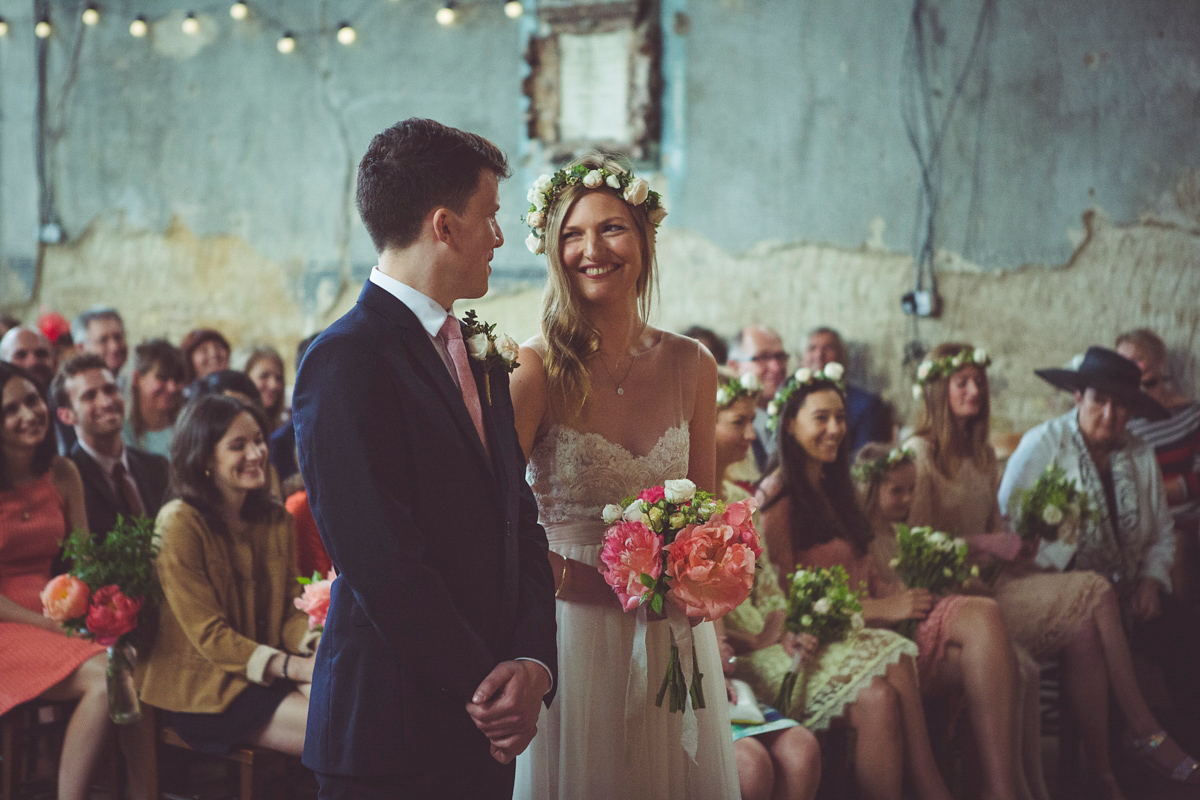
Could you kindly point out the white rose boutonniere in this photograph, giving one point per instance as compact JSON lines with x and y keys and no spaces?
{"x":493,"y":350}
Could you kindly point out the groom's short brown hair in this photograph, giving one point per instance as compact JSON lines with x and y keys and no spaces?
{"x":414,"y":167}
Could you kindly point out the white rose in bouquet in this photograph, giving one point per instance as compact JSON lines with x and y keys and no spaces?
{"x":634,"y":512}
{"x":834,"y":371}
{"x":821,"y":606}
{"x":611,"y":513}
{"x":679,"y":491}
{"x":593,"y":179}
{"x":1052,"y":515}
{"x":479,"y":346}
{"x":636,"y":191}
{"x":856,"y":621}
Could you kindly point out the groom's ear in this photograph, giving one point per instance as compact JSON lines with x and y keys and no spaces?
{"x":441,"y":221}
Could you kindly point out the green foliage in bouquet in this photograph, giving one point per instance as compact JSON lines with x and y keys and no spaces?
{"x":1054,"y":506}
{"x":821,"y":603}
{"x":124,"y":557}
{"x":931,"y":560}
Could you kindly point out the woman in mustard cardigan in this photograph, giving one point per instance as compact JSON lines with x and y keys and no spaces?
{"x":231,"y":664}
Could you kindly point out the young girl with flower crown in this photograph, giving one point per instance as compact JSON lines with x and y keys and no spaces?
{"x":810,"y":517}
{"x":1069,"y":615}
{"x":962,"y":639}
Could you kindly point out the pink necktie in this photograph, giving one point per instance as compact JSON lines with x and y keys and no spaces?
{"x":451,"y":336}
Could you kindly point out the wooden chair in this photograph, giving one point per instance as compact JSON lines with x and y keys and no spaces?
{"x":260,"y":772}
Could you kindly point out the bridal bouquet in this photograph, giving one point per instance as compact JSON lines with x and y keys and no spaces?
{"x":821,"y":604}
{"x":1052,"y":512}
{"x":930,"y":560}
{"x":677,"y":549}
{"x":110,"y":585}
{"x":314,"y":600}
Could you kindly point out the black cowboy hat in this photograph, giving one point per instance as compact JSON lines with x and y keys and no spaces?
{"x":1111,"y":373}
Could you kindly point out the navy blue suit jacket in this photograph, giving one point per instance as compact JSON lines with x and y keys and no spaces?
{"x":442,"y":566}
{"x":867,"y":419}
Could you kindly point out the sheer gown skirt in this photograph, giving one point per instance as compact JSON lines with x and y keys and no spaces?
{"x":587,"y":748}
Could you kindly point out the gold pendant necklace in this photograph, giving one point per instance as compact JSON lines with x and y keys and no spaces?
{"x":611,"y":377}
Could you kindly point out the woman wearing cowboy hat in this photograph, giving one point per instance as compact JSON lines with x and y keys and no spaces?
{"x":1128,"y":540}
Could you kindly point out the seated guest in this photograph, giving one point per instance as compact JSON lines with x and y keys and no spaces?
{"x":204,"y":350}
{"x":715,"y":344}
{"x":867,"y":416}
{"x":757,"y":350}
{"x":231,"y":663}
{"x":117,"y":480}
{"x":155,"y":396}
{"x":283,"y":441}
{"x":229,"y":382}
{"x":264,"y":366}
{"x":41,"y":499}
{"x":1131,"y":537}
{"x":1176,"y":440}
{"x":29,"y":349}
{"x":101,"y":330}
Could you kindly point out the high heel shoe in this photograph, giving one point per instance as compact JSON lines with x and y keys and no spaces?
{"x":1145,"y":749}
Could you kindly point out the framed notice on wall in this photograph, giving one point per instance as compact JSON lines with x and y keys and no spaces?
{"x":595,"y":79}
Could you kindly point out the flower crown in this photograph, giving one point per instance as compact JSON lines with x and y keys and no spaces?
{"x":547,"y":188}
{"x":732,"y":390}
{"x":804,"y":376}
{"x":869,"y":471}
{"x":931,"y":370}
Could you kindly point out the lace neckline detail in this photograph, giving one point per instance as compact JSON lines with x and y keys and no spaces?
{"x":599,"y":438}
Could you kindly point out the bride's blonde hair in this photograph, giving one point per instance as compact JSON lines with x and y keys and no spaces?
{"x":571,"y":339}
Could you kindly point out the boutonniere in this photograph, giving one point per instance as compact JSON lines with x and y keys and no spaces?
{"x":494,"y":350}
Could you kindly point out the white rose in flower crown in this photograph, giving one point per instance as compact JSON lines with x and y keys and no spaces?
{"x":636,"y":191}
{"x":611,"y":513}
{"x":593,"y":179}
{"x":535,"y":219}
{"x":803,"y":375}
{"x":479,"y":346}
{"x":658,"y":215}
{"x":535,"y":244}
{"x":543,"y":183}
{"x":750,"y":382}
{"x":916,"y":391}
{"x":679,"y":491}
{"x":507,"y":347}
{"x":821,"y":606}
{"x":613,"y":182}
{"x":1052,"y":515}
{"x":723,"y":397}
{"x":634,"y":513}
{"x":980,"y":355}
{"x":834,"y":371}
{"x":924,"y":369}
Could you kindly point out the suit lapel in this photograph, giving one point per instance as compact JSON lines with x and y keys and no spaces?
{"x":94,"y":476}
{"x":415,"y":340}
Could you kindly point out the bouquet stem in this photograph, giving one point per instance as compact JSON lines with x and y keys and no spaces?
{"x":674,"y":686}
{"x":783,"y":702}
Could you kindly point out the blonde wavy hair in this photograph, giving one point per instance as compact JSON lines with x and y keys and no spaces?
{"x":936,"y":425}
{"x":571,"y":338}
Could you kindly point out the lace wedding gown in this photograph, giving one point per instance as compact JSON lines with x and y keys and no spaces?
{"x":589,"y":745}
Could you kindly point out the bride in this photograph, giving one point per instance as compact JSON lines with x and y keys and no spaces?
{"x":606,"y":406}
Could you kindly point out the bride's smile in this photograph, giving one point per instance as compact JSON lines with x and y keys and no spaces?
{"x":601,"y":245}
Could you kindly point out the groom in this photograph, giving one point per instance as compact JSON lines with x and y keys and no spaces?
{"x":439,"y":645}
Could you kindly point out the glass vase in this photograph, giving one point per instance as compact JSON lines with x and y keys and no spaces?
{"x":124,"y":708}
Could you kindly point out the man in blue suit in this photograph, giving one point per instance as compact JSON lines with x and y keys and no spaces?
{"x":439,"y":645}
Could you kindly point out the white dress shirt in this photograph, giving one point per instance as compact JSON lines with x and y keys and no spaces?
{"x":106,"y":464}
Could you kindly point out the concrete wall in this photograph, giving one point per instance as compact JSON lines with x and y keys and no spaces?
{"x":207,"y":179}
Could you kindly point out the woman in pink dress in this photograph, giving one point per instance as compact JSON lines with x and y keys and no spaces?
{"x":41,"y":495}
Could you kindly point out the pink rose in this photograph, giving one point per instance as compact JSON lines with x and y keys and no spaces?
{"x":630,"y":551}
{"x":652,"y":495}
{"x":112,"y":614}
{"x":65,"y":597}
{"x":314,"y":601}
{"x":740,"y":516}
{"x":710,"y":570}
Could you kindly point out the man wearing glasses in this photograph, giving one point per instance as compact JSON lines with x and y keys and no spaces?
{"x":757,"y":350}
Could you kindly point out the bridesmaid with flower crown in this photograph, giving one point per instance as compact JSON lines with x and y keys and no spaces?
{"x":606,"y":406}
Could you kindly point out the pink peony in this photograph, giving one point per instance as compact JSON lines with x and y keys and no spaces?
{"x":314,"y":601}
{"x":740,"y":516}
{"x":112,"y":614}
{"x":711,"y":571}
{"x":652,"y":495}
{"x":630,"y":551}
{"x":65,"y":597}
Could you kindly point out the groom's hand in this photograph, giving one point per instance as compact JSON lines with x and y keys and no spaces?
{"x":505,"y":707}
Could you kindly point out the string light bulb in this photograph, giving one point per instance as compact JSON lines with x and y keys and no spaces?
{"x":239,"y":11}
{"x":43,"y":29}
{"x":286,"y":43}
{"x":513,"y":9}
{"x":3,"y":27}
{"x":446,"y":14}
{"x":191,"y":24}
{"x":138,"y":27}
{"x":91,"y":14}
{"x":346,"y":34}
